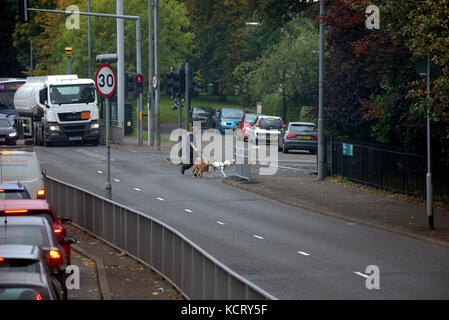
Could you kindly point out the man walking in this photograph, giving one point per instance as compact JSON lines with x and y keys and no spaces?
{"x":193,"y":150}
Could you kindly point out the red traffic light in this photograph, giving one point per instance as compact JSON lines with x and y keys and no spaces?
{"x":139,"y":79}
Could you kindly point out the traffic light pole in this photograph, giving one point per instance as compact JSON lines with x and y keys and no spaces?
{"x":150,"y":75}
{"x":187,"y":96}
{"x":156,"y":71}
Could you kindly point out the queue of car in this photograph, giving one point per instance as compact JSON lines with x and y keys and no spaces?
{"x":259,"y":128}
{"x":35,"y":249}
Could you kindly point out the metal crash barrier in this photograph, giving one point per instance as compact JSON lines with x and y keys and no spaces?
{"x":194,"y":272}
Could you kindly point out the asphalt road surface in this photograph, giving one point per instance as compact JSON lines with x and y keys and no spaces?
{"x":289,"y":252}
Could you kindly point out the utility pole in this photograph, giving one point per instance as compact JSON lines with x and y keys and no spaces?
{"x":156,"y":69}
{"x":321,"y":141}
{"x":150,"y":76}
{"x":31,"y":58}
{"x":89,"y":50}
{"x":429,"y":187}
{"x":188,"y":77}
{"x":120,"y":70}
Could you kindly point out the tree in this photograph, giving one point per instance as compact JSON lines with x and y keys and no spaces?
{"x":9,"y":66}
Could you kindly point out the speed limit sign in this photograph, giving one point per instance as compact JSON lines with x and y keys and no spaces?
{"x":106,"y":80}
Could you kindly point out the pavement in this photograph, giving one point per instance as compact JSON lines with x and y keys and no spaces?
{"x":354,"y":203}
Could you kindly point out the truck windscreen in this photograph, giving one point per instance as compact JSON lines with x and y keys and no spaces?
{"x":68,"y":94}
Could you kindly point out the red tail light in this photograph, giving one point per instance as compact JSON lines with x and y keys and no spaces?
{"x":290,"y":135}
{"x":41,"y":194}
{"x":38,"y":296}
{"x":315,"y":137}
{"x":16,"y":211}
{"x":55,"y":258}
{"x":1,"y":259}
{"x":58,"y":229}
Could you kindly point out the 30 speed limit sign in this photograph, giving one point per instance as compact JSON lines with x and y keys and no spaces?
{"x":106,"y":80}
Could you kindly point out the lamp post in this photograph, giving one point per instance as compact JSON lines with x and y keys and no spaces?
{"x":321,"y":158}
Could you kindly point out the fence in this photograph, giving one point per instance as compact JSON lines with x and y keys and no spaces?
{"x":392,"y":168}
{"x":241,"y":162}
{"x":190,"y":269}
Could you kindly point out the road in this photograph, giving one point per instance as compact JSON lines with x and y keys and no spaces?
{"x":289,"y":252}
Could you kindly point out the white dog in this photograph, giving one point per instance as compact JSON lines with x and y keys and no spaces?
{"x":220,"y":165}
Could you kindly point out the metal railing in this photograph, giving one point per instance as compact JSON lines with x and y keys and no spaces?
{"x":194,"y":272}
{"x":241,"y":161}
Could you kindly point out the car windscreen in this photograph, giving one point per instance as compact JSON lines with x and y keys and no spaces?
{"x":250,"y":118}
{"x":202,"y":112}
{"x":232,"y":113}
{"x":14,"y":195}
{"x":270,"y":123}
{"x":302,"y":128}
{"x":19,"y":265}
{"x":23,"y":293}
{"x":4,"y":123}
{"x":23,"y":234}
{"x":80,"y":93}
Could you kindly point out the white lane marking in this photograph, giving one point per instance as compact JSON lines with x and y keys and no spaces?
{"x":133,"y":151}
{"x":188,"y":210}
{"x":116,"y":180}
{"x":161,"y":199}
{"x":258,"y":237}
{"x":222,"y":223}
{"x":361,"y":274}
{"x":99,"y":171}
{"x":304,"y":253}
{"x":351,"y":223}
{"x":137,"y":189}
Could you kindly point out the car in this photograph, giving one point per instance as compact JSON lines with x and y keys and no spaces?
{"x":266,"y":128}
{"x":25,"y":274}
{"x":8,"y":134}
{"x":299,"y":136}
{"x":245,"y":126}
{"x":228,"y":119}
{"x":10,"y":191}
{"x":20,"y":164}
{"x":39,"y":208}
{"x":204,"y":115}
{"x":36,"y":230}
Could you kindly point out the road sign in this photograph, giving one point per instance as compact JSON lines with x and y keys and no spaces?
{"x":155,"y":82}
{"x":106,"y":80}
{"x":348,"y":149}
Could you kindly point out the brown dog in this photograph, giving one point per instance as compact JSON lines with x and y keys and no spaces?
{"x":200,"y":167}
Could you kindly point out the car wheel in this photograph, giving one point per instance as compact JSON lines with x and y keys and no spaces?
{"x":284,"y":150}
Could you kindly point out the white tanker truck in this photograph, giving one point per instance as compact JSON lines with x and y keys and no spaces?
{"x":57,"y":109}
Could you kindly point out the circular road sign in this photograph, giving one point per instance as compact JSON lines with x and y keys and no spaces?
{"x":155,"y":82}
{"x":106,"y":80}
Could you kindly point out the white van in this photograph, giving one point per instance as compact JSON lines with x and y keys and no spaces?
{"x":22,"y":166}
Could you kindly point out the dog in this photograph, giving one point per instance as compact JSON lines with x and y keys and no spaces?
{"x":220,"y":165}
{"x":200,"y":167}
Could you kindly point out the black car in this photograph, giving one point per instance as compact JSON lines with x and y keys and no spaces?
{"x":299,"y":136}
{"x":8,"y":134}
{"x":25,"y":274}
{"x":204,"y":115}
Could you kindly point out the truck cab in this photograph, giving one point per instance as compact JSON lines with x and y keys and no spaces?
{"x":58,"y":109}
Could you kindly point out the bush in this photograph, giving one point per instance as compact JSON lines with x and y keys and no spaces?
{"x":272,"y":105}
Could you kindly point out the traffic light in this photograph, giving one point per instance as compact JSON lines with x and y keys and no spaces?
{"x":23,"y":11}
{"x":193,"y":89}
{"x":139,"y":83}
{"x":131,"y":93}
{"x":179,"y":80}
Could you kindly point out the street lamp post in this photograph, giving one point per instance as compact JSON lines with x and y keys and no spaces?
{"x":321,"y":157}
{"x":429,"y":187}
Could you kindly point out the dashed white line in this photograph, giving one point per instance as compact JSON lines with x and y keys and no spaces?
{"x":161,"y":199}
{"x":361,"y":274}
{"x":222,"y":223}
{"x":137,"y":189}
{"x":116,"y":180}
{"x":188,"y":210}
{"x":304,"y":253}
{"x":99,"y":171}
{"x":258,"y":237}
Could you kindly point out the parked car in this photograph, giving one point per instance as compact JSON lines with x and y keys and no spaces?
{"x":267,"y":128}
{"x":299,"y":136}
{"x":228,"y":119}
{"x":245,"y":126}
{"x":204,"y":115}
{"x":25,"y":274}
{"x":36,"y":230}
{"x":39,"y":208}
{"x":11,"y":191}
{"x":8,"y":134}
{"x":20,"y":164}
